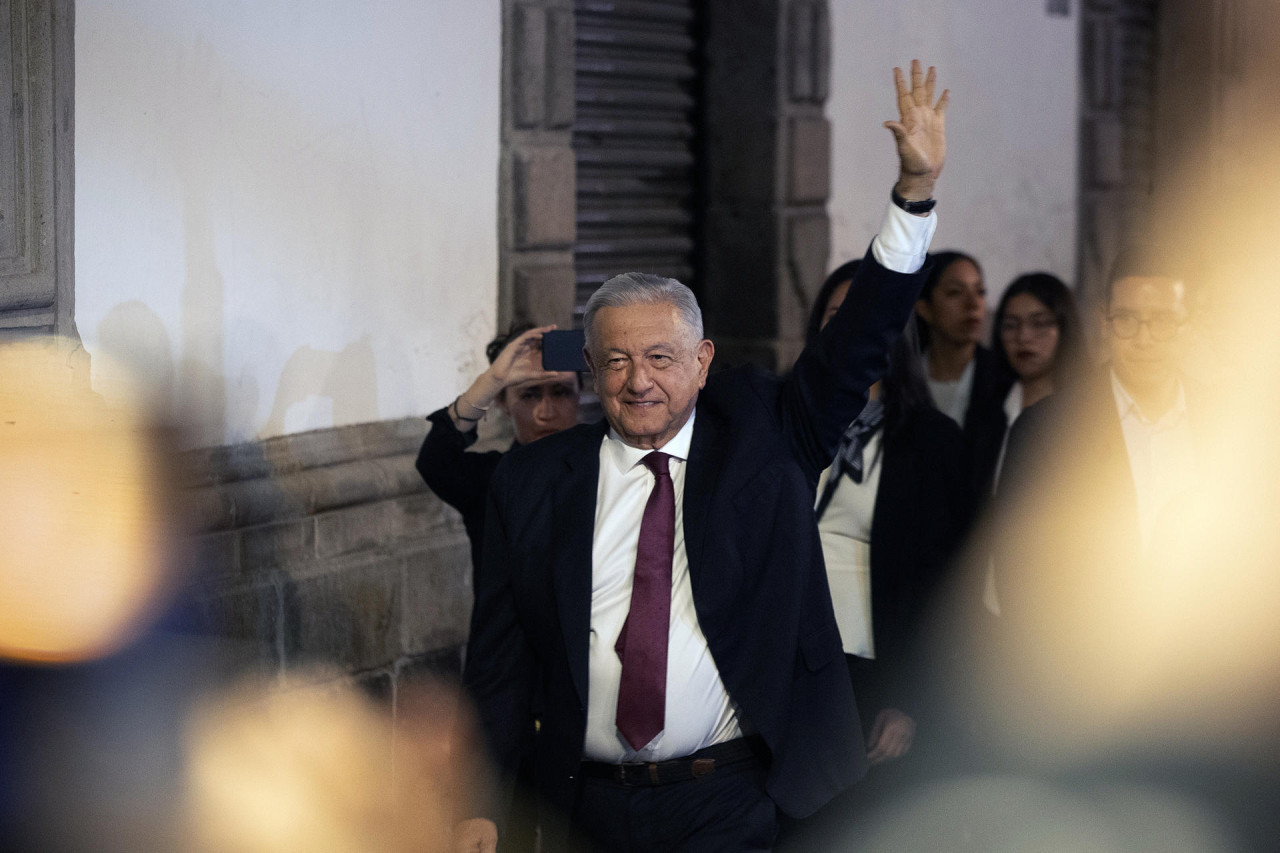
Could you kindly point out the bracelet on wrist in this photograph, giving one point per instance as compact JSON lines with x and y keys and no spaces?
{"x":457,"y":415}
{"x":483,"y":410}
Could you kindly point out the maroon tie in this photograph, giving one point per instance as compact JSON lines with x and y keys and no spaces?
{"x":642,"y":644}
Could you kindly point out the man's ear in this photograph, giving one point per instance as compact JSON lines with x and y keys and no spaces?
{"x":706,"y":352}
{"x":1104,"y":335}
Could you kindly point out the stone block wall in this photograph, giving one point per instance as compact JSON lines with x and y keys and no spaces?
{"x":537,"y":187}
{"x":327,"y":548}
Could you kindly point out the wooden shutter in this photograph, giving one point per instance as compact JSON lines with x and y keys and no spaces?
{"x":634,"y":140}
{"x":36,"y":171}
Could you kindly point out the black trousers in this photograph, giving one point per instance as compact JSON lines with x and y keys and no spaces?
{"x":727,"y":810}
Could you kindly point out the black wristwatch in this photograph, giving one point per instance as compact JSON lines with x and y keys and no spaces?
{"x":919,"y":207}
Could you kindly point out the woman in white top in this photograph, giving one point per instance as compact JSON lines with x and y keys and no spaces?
{"x":891,"y":509}
{"x":964,"y":380}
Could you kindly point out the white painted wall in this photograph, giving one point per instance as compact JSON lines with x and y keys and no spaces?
{"x":286,"y":210}
{"x":1008,"y":194}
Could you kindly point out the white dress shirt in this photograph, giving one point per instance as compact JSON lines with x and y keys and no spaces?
{"x":699,"y":711}
{"x":951,"y":398}
{"x":1162,"y":455}
{"x":1012,"y":409}
{"x":845,"y":529}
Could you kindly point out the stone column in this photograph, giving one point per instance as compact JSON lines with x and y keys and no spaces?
{"x":1118,"y":59}
{"x":537,"y":191}
{"x":768,"y":176}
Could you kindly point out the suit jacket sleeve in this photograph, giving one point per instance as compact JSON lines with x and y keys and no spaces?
{"x":828,"y":386}
{"x":499,"y":674}
{"x":458,"y":478}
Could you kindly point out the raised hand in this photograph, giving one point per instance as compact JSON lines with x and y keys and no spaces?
{"x":920,"y":132}
{"x":521,"y":360}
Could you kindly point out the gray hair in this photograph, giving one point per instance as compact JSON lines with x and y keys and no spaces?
{"x":639,"y":288}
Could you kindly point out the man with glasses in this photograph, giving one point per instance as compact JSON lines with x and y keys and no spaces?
{"x":1145,"y":318}
{"x":1125,"y":432}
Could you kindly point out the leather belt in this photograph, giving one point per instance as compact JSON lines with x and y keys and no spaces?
{"x":702,"y":763}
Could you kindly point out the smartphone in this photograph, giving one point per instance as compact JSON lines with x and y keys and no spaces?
{"x":562,"y":350}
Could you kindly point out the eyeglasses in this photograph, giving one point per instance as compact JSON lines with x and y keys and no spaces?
{"x":1163,"y":326}
{"x":1039,"y":324}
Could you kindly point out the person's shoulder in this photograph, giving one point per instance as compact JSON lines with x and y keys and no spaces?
{"x":989,"y":375}
{"x":551,"y":450}
{"x":929,"y":433}
{"x":931,"y":423}
{"x":739,"y":383}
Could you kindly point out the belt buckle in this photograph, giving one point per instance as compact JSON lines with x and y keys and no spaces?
{"x":700,"y":767}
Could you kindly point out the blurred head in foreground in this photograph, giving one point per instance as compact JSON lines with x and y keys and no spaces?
{"x":85,"y":510}
{"x":318,"y":767}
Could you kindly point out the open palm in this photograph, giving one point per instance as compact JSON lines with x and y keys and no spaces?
{"x":921,"y":128}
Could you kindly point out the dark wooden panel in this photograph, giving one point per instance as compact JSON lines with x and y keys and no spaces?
{"x":635,"y":139}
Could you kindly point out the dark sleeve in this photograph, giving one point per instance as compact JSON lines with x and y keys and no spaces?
{"x":499,"y":673}
{"x":940,"y":447}
{"x":827,"y":388}
{"x":985,"y":421}
{"x":1026,"y":441}
{"x":458,"y":478}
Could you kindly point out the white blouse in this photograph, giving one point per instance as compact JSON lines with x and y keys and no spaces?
{"x":845,"y":529}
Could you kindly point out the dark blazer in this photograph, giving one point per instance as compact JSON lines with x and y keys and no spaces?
{"x":1068,"y":447}
{"x":985,"y":421}
{"x":458,"y":478}
{"x":922,"y":508}
{"x":755,"y":562}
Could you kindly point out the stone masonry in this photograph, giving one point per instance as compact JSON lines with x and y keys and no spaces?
{"x":326,"y":548}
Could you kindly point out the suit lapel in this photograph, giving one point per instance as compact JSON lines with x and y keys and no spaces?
{"x":573,"y":515}
{"x":701,"y":479}
{"x":1115,"y":465}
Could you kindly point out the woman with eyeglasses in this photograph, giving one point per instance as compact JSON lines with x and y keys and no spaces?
{"x":1037,"y":339}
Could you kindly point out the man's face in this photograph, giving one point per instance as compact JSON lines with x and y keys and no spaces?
{"x":1144,"y":326}
{"x":648,"y":370}
{"x":538,"y":409}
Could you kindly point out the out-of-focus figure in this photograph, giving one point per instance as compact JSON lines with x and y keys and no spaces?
{"x":83,"y":497}
{"x":91,"y":697}
{"x":312,"y":764}
{"x":1128,"y":430}
{"x":1138,"y":601}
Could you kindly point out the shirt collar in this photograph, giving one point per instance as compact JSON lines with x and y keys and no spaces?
{"x":1128,"y":407}
{"x":625,"y":457}
{"x":1013,"y":403}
